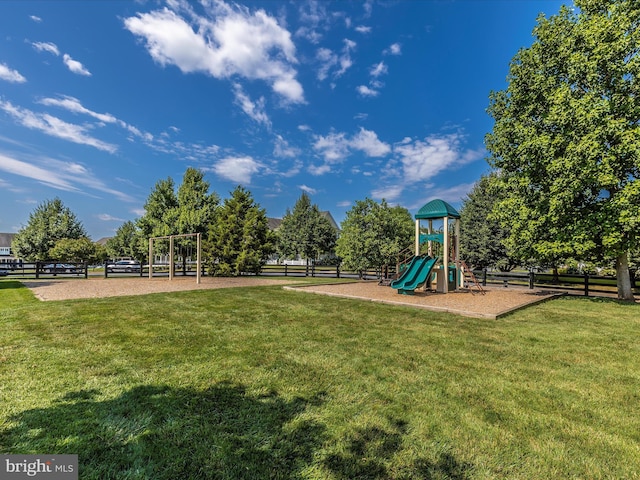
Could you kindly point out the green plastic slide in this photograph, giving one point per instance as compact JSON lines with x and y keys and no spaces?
{"x":415,"y":275}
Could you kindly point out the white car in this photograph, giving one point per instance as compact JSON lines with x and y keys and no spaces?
{"x":127,"y":266}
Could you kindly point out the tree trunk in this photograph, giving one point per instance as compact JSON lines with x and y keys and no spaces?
{"x":623,"y":278}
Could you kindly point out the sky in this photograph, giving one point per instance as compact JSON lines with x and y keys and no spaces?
{"x":344,"y":100}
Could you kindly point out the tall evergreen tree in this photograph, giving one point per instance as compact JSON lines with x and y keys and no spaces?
{"x":49,"y":222}
{"x":482,"y":239}
{"x":566,"y":137}
{"x":240,"y":240}
{"x":305,"y":232}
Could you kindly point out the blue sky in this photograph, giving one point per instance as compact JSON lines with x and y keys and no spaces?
{"x":344,"y":100}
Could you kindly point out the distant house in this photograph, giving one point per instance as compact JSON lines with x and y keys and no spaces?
{"x":6,"y":254}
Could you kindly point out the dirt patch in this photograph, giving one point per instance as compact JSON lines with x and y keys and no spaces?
{"x":47,"y":290}
{"x":494,"y":303}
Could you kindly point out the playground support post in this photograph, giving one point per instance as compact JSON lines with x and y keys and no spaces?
{"x":171,"y":253}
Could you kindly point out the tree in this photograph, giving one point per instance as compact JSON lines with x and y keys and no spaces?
{"x":160,"y":211}
{"x":127,"y":242}
{"x":240,"y":240}
{"x":196,"y":206}
{"x":76,"y":250}
{"x":566,"y":137}
{"x":49,"y":222}
{"x":305,"y":232}
{"x":481,"y":236}
{"x":373,"y":234}
{"x":191,"y":210}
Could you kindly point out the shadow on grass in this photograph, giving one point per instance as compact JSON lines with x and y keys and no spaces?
{"x":222,"y":432}
{"x":370,"y":450}
{"x":173,"y":433}
{"x":7,"y":284}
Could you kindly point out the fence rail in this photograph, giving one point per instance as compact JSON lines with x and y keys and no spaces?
{"x":585,"y":284}
{"x":576,"y":284}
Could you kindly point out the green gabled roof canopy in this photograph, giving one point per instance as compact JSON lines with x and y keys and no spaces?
{"x":436,"y":209}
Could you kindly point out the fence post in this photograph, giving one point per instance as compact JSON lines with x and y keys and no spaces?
{"x":106,"y":263}
{"x":86,"y":269}
{"x":586,"y":284}
{"x":313,"y":269}
{"x":37,"y":270}
{"x":531,"y":279}
{"x":484,"y":277}
{"x":285,"y":269}
{"x":337,"y":271}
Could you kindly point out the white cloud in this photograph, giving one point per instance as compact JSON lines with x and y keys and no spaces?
{"x":35,"y":18}
{"x":334,"y":64}
{"x":255,"y":110}
{"x":73,"y":105}
{"x":363,"y":29}
{"x":10,"y":75}
{"x":367,"y":141}
{"x":45,"y":176}
{"x":366,"y":91}
{"x":378,"y":69}
{"x":388,"y":193}
{"x":47,"y":47}
{"x":424,"y":159}
{"x":228,"y":41}
{"x":105,"y":217}
{"x":334,"y":147}
{"x":75,"y":66}
{"x":237,"y":169}
{"x":309,"y":190}
{"x":66,"y":176}
{"x":394,"y":49}
{"x":283,"y":149}
{"x":55,"y":127}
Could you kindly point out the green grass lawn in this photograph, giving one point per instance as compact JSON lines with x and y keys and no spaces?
{"x":260,"y":383}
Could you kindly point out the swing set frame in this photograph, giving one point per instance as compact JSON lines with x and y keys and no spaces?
{"x":171,"y":253}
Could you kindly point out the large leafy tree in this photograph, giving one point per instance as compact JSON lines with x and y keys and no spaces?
{"x":481,"y":236}
{"x":196,"y":206}
{"x":160,"y":211}
{"x":77,"y":250}
{"x":240,"y":240}
{"x":127,"y":242}
{"x":566,"y":137}
{"x":305,"y":231}
{"x":48,"y":223}
{"x":373,"y":234}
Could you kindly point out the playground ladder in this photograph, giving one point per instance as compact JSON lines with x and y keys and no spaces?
{"x":470,"y":279}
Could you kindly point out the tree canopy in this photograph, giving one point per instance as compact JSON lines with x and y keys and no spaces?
{"x":566,"y":137}
{"x":50,"y":222}
{"x":373,"y":234}
{"x":482,"y":239}
{"x":240,"y":240}
{"x":305,"y":231}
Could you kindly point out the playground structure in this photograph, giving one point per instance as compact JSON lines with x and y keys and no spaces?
{"x":171,"y":239}
{"x":449,"y":274}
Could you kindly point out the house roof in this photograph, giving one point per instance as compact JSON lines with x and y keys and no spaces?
{"x":6,"y":239}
